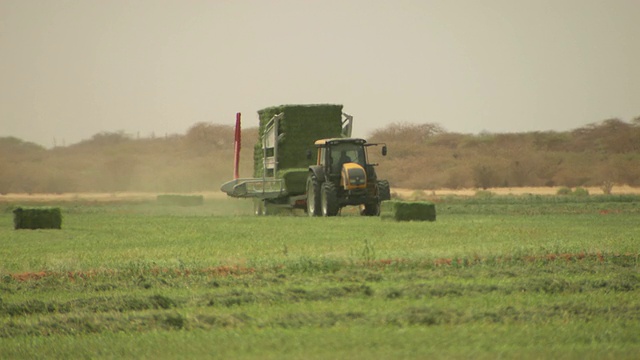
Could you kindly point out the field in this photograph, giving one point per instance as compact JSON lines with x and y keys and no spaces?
{"x":511,"y":276}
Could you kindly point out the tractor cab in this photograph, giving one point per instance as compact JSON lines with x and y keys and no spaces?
{"x":336,"y":154}
{"x":346,"y":160}
{"x":343,"y":176}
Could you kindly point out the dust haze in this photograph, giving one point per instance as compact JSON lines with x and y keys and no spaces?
{"x":154,"y":68}
{"x":424,"y":156}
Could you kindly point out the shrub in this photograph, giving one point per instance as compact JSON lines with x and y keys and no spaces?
{"x":564,"y":191}
{"x":484,"y":194}
{"x":485,"y":177}
{"x":580,"y":191}
{"x":606,"y":187}
{"x":418,"y":195}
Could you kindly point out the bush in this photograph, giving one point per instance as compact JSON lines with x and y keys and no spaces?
{"x":418,"y":195}
{"x":580,"y":191}
{"x":485,"y":177}
{"x":484,"y":194}
{"x":606,"y":187}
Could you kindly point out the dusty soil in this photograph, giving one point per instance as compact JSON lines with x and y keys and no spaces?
{"x":617,"y":190}
{"x":102,"y":197}
{"x":403,"y":193}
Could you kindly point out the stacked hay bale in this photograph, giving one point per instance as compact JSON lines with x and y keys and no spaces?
{"x":37,"y":218}
{"x":295,"y":180}
{"x":302,"y":125}
{"x":408,"y":211}
{"x":181,"y":200}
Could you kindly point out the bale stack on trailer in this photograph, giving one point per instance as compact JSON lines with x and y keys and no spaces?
{"x":304,"y":124}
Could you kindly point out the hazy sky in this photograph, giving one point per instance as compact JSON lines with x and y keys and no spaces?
{"x":72,"y":68}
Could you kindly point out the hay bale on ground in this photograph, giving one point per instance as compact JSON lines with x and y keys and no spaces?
{"x":181,"y":200}
{"x":37,"y":218}
{"x":408,"y":211}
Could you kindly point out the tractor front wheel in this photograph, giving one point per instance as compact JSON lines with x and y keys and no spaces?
{"x":384,"y":191}
{"x":329,"y":199}
{"x":313,"y":196}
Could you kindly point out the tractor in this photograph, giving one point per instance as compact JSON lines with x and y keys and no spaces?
{"x":342,"y":176}
{"x":339,"y":176}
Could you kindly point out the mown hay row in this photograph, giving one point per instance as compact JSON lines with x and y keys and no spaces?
{"x":302,"y":125}
{"x":37,"y":218}
{"x":181,"y":200}
{"x":408,"y":211}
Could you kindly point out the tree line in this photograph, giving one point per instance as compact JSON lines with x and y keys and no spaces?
{"x":421,"y":156}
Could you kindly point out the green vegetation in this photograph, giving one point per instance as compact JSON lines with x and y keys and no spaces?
{"x":564,"y":191}
{"x":495,"y":276}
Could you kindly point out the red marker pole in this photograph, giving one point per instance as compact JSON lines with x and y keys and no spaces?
{"x":236,"y":149}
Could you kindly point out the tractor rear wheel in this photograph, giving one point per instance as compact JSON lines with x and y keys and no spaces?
{"x":384,"y":191}
{"x":372,"y":209}
{"x":329,"y":199}
{"x":258,"y":207}
{"x":270,"y":208}
{"x":313,"y":196}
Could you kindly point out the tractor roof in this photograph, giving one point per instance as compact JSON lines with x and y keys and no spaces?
{"x":333,"y":141}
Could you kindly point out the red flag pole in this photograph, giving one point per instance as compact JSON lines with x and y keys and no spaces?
{"x":236,"y":149}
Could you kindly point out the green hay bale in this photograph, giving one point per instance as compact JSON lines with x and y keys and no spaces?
{"x":180,"y":200}
{"x":295,"y":180}
{"x":302,"y":126}
{"x":37,"y":218}
{"x":408,"y":211}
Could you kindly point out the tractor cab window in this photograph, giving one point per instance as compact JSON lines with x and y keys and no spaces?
{"x":346,"y":153}
{"x":322,"y":157}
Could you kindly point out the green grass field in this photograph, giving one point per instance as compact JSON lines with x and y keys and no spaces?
{"x":501,"y":276}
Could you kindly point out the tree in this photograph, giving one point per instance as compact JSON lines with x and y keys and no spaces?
{"x":405,"y":132}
